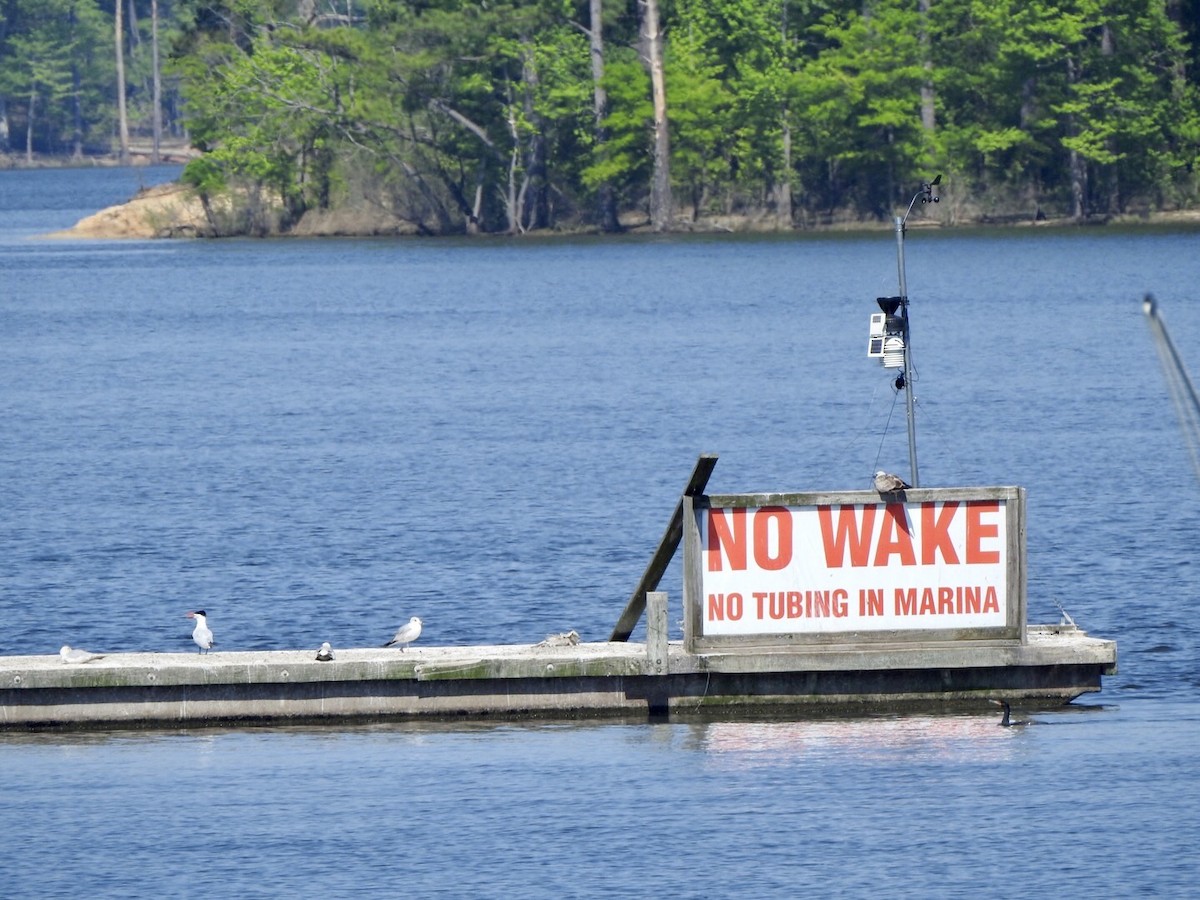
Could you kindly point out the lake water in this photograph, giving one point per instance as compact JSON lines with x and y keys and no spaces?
{"x":314,"y":440}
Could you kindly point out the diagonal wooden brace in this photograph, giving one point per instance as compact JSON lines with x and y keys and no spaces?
{"x":666,"y":549}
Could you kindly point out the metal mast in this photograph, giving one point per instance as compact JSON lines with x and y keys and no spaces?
{"x":925,"y":195}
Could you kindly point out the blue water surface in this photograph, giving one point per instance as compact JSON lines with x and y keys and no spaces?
{"x":314,"y":440}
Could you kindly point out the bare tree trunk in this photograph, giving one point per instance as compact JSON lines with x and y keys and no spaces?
{"x":1113,"y":171}
{"x":476,"y":210}
{"x":1028,"y":106}
{"x":535,"y":210}
{"x":660,"y":185}
{"x":605,"y":197}
{"x":928,"y":111}
{"x":76,"y":99}
{"x":135,"y":37}
{"x":513,"y":211}
{"x":122,"y":117}
{"x":1078,"y":165}
{"x":783,"y":184}
{"x":783,"y":181}
{"x":29,"y":126}
{"x":76,"y":114}
{"x":1078,"y":187}
{"x":156,"y":150}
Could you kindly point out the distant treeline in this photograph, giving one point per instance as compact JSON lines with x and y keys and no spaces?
{"x":513,"y":115}
{"x":78,"y":77}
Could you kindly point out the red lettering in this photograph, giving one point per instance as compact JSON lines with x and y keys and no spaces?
{"x":840,"y":606}
{"x":935,"y":533}
{"x":722,"y":606}
{"x":971,"y":599}
{"x":978,"y":531}
{"x":870,"y":602}
{"x":733,"y":606}
{"x":895,"y":537}
{"x":927,"y":606}
{"x":991,"y":603}
{"x":727,"y":536}
{"x":945,"y":601}
{"x":783,"y":532}
{"x":850,"y":533}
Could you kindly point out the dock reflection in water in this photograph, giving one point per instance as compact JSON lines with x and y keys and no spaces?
{"x":899,"y":739}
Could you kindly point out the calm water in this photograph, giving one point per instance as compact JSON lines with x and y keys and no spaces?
{"x":316,"y":440}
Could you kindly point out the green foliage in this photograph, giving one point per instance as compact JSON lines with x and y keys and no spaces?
{"x":461,"y":115}
{"x":205,"y":174}
{"x":624,"y":159}
{"x":53,"y":53}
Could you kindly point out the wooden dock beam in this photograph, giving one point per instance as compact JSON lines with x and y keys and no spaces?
{"x":129,"y":690}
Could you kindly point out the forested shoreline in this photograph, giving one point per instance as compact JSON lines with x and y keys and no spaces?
{"x":510,"y":116}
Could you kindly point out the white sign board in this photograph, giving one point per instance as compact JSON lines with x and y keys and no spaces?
{"x":921,"y":563}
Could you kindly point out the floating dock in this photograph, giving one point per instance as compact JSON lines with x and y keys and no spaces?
{"x":654,"y":679}
{"x":792,"y":602}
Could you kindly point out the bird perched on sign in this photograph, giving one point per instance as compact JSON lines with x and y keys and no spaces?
{"x":76,"y":655}
{"x":325,"y":654}
{"x":201,"y":634}
{"x":887,"y":483}
{"x":409,"y":632}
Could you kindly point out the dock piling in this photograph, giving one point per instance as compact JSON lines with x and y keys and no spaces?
{"x":656,"y":633}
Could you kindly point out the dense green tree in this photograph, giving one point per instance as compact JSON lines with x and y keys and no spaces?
{"x":52,"y":60}
{"x":1082,"y":103}
{"x":728,"y":68}
{"x":868,"y":77}
{"x":702,"y":112}
{"x":511,"y":115}
{"x":623,"y":162}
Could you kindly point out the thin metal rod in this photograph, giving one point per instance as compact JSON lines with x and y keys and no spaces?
{"x":1179,"y":382}
{"x":914,"y":476}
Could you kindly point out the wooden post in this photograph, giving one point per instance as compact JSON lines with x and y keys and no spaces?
{"x":656,"y":633}
{"x":666,"y":549}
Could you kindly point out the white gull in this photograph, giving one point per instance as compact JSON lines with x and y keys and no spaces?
{"x":408,"y":633}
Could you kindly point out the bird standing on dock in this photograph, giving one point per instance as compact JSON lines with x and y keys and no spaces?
{"x":77,"y":655}
{"x":201,"y":634}
{"x":325,"y":654}
{"x":887,"y":483}
{"x":1007,"y":721}
{"x":408,"y":633}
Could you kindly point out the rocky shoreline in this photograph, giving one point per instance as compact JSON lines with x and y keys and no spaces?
{"x":174,"y":210}
{"x":165,"y":210}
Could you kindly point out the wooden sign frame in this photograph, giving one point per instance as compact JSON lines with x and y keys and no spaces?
{"x":901,"y":507}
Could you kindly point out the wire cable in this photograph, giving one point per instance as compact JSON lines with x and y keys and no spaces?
{"x":886,"y":426}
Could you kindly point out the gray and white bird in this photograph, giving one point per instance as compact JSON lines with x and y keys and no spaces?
{"x":325,"y":654}
{"x":409,"y":632}
{"x":201,"y":634}
{"x":887,"y":483}
{"x":77,"y":655}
